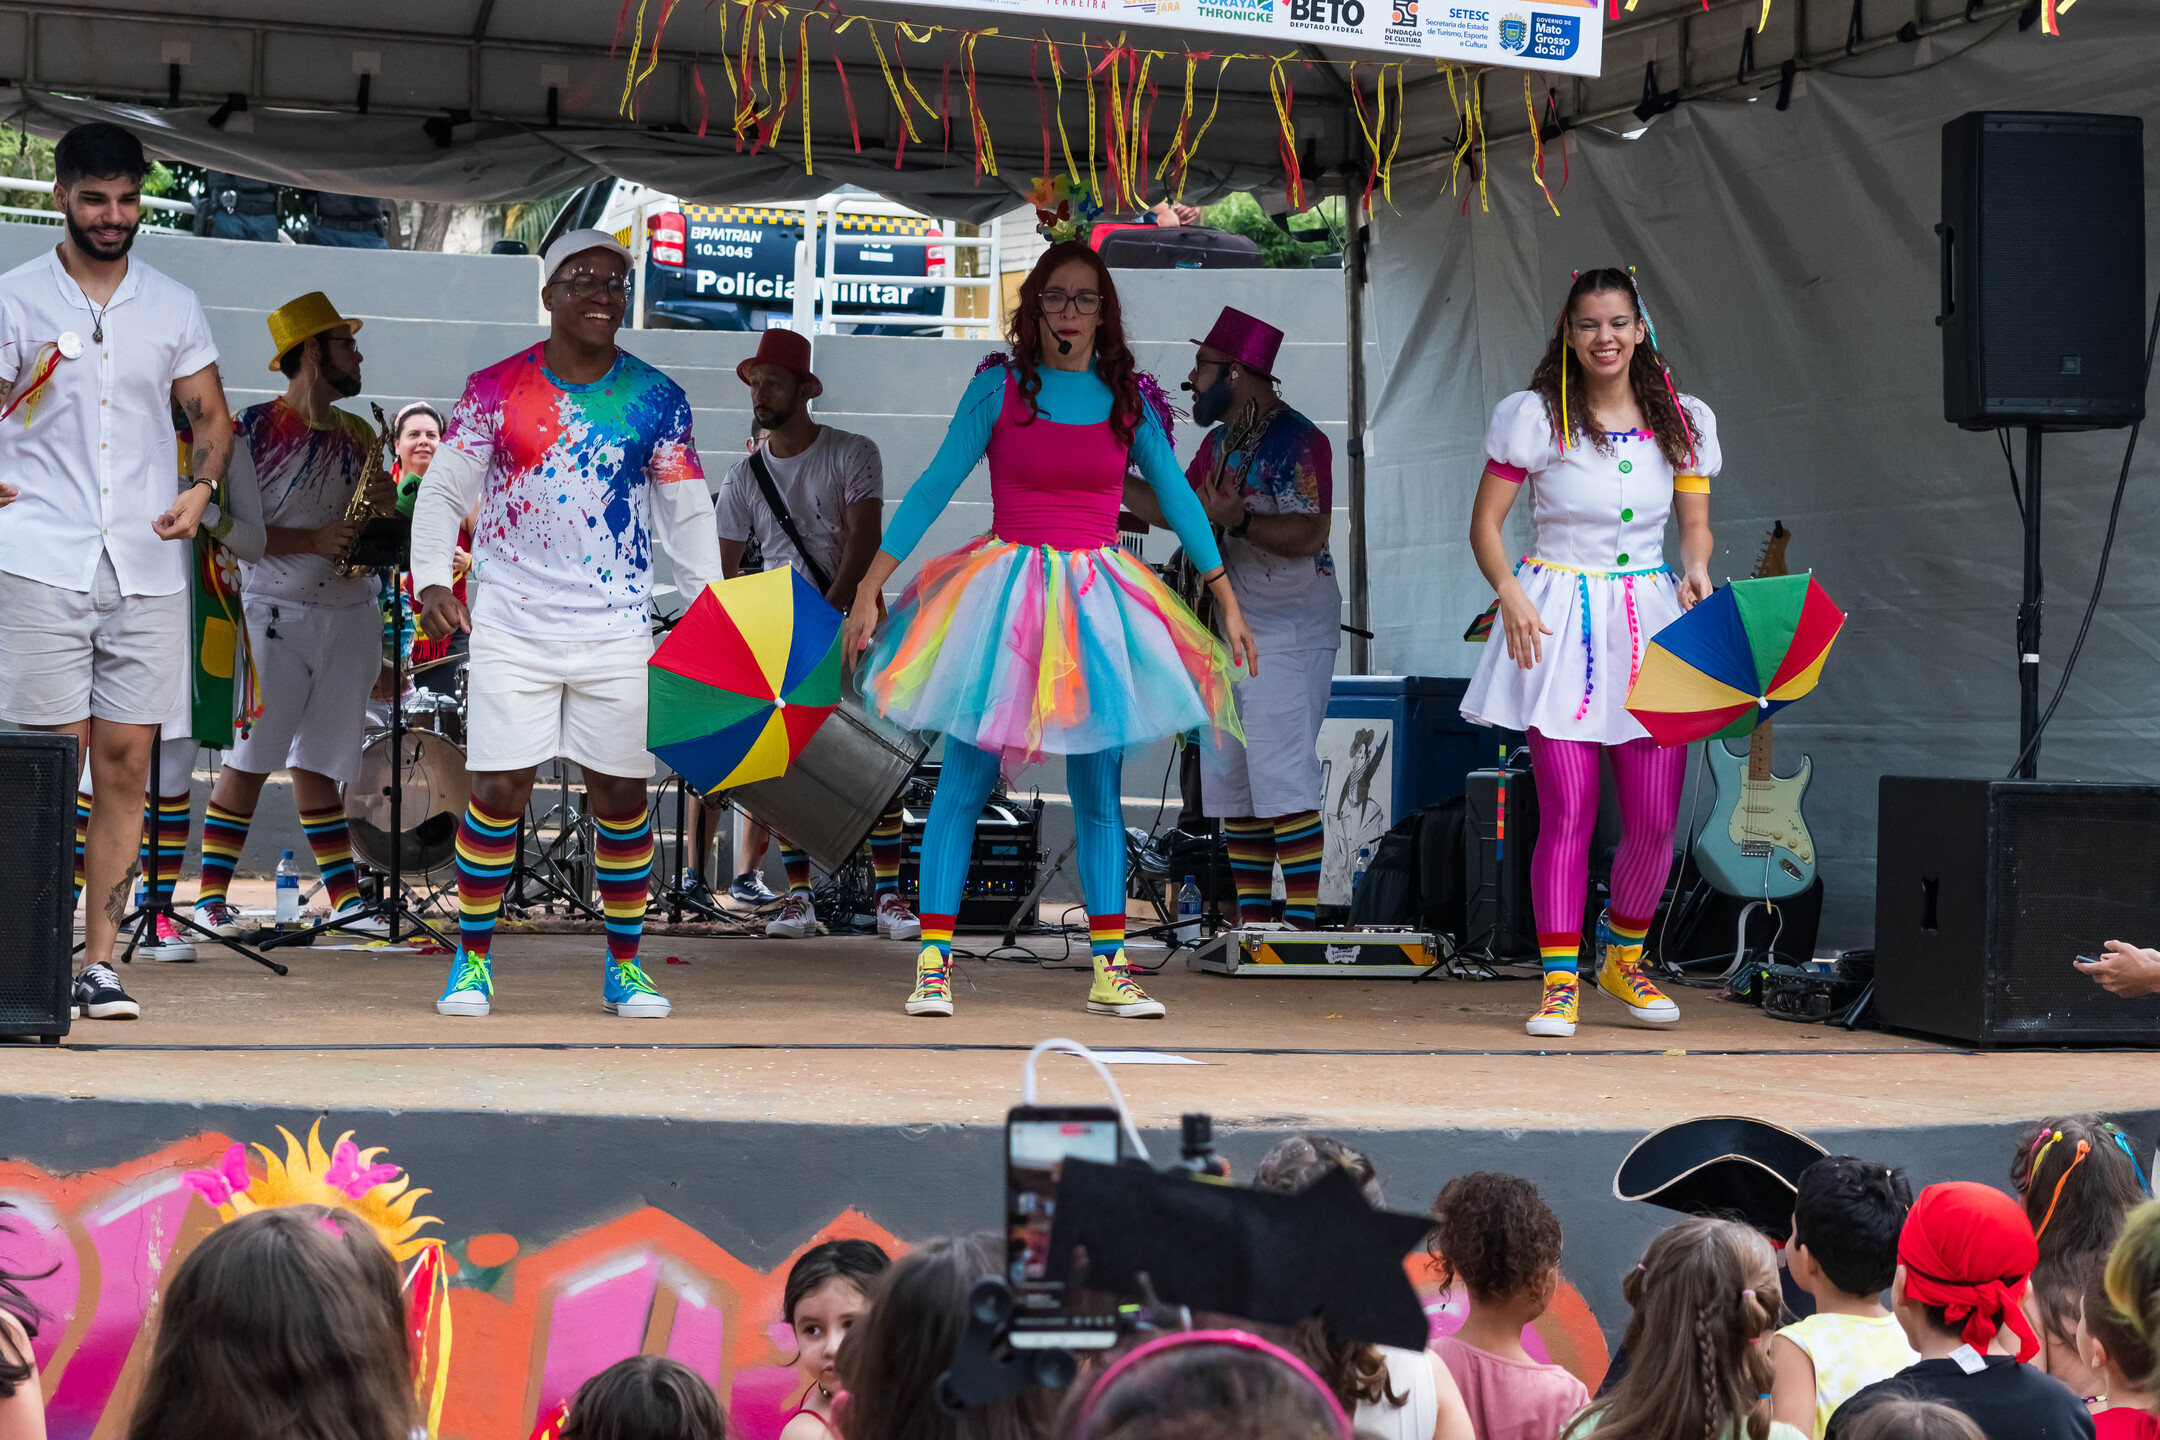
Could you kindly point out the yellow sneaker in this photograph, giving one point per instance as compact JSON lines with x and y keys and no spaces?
{"x":1114,"y":992}
{"x":933,"y":984}
{"x":1555,"y":1018}
{"x":1619,"y":975}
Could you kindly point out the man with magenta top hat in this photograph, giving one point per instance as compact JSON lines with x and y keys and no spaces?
{"x":1263,"y":476}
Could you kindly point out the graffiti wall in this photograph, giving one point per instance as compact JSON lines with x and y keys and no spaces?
{"x":532,"y":1315}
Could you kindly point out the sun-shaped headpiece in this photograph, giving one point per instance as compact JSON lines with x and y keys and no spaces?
{"x":345,"y":1177}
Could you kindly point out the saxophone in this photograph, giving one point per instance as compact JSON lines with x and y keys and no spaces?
{"x":359,"y":508}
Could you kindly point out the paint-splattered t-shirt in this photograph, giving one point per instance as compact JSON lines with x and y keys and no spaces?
{"x":305,"y":475}
{"x":563,"y":545}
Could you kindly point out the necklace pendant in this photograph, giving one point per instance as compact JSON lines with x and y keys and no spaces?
{"x":97,"y":333}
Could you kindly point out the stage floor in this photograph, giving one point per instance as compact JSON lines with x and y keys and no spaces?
{"x":812,"y":1032}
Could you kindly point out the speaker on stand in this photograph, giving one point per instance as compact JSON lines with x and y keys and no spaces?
{"x":2027,"y":196}
{"x":37,"y":924}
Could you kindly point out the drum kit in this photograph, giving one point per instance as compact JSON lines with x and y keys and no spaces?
{"x":429,"y":767}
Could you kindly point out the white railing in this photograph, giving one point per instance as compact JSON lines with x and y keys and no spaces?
{"x":45,"y":187}
{"x":820,"y":314}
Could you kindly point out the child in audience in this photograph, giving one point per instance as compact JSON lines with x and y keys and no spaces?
{"x":270,"y":1330}
{"x":1963,"y":1258}
{"x":1496,"y":1235}
{"x":1705,"y":1297}
{"x":1391,"y":1394}
{"x":1204,"y":1385}
{"x":22,"y":1406}
{"x":828,"y":1293}
{"x":1913,"y":1420}
{"x":2112,"y":1348}
{"x":892,"y":1360}
{"x":2078,"y":1179}
{"x":1843,"y":1251}
{"x":646,"y":1397}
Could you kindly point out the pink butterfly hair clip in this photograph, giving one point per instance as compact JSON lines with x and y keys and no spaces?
{"x":347,"y":1174}
{"x":230,"y":1178}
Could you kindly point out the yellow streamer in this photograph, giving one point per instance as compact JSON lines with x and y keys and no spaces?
{"x":637,"y":43}
{"x":1462,"y":125}
{"x":899,"y":104}
{"x":1477,"y":115}
{"x":802,"y":69}
{"x":1184,"y":118}
{"x":1087,"y":76}
{"x":1194,"y":148}
{"x":980,"y":125}
{"x":900,"y":28}
{"x":1402,"y":113}
{"x":1278,"y":83}
{"x":1057,"y":72}
{"x":1537,"y":142}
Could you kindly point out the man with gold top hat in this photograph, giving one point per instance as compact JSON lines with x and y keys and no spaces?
{"x":1263,"y":474}
{"x":317,"y":636}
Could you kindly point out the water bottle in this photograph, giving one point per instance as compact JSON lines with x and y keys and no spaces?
{"x":288,"y":890}
{"x":1188,"y":913}
{"x":1357,"y":876}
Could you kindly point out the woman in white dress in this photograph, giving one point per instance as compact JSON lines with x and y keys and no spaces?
{"x":1610,"y":451}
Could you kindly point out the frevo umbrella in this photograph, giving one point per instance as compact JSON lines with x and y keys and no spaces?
{"x":744,"y":679}
{"x":1736,"y":659}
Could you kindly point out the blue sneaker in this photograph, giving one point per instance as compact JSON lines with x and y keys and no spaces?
{"x":472,"y":983}
{"x":628,"y":993}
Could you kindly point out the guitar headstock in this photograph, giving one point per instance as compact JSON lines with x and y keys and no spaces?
{"x":1772,"y":559}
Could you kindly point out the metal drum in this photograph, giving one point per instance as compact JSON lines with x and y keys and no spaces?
{"x":832,"y":795}
{"x":432,"y":773}
{"x":443,"y":715}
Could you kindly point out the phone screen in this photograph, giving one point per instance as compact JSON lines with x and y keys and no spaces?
{"x":1038,"y":1141}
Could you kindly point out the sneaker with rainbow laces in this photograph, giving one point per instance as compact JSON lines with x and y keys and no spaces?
{"x":933,"y":984}
{"x":1115,"y":992}
{"x":1619,"y":975}
{"x":1555,"y":1017}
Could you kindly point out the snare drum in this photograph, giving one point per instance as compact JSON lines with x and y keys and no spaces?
{"x":831,"y":797}
{"x":431,"y":771}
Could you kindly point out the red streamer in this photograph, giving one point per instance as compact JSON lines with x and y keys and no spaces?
{"x":1042,"y":105}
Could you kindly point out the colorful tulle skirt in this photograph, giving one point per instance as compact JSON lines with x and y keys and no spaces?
{"x":1026,"y":651}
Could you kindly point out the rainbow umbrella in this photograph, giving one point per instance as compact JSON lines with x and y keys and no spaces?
{"x":1733,"y":661}
{"x":744,"y":679}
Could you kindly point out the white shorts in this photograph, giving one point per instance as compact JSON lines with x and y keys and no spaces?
{"x":68,"y":655}
{"x":315,"y":666}
{"x":1277,"y":770}
{"x":529,"y":701}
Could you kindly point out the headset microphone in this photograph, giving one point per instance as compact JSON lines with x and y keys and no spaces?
{"x":1064,"y":346}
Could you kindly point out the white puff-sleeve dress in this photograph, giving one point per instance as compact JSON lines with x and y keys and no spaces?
{"x":1596,"y":571}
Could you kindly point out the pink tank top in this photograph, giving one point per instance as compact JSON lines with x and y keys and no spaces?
{"x":1053,"y":484}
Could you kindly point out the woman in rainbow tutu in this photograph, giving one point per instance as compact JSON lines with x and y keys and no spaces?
{"x":1043,"y":636}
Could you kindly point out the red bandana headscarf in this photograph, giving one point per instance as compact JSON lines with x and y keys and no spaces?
{"x":1969,"y":1249}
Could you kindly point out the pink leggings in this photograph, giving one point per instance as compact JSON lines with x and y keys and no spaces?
{"x":1566,"y":775}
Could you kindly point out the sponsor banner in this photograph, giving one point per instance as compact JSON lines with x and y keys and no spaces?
{"x":1564,"y":37}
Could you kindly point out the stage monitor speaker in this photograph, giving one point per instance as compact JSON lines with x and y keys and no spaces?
{"x":37,"y":920}
{"x":2043,"y":270}
{"x":1986,"y":890}
{"x":1497,"y":914}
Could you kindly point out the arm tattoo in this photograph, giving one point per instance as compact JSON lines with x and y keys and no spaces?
{"x":116,"y":900}
{"x":194,"y":409}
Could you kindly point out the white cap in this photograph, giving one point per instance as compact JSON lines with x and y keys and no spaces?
{"x":577,"y":242}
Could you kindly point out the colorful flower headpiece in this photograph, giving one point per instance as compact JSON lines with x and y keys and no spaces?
{"x":1064,"y":208}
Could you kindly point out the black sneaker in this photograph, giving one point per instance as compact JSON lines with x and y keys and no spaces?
{"x":98,"y":995}
{"x":749,"y":888}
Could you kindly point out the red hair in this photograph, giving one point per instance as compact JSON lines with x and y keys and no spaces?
{"x":1113,"y":356}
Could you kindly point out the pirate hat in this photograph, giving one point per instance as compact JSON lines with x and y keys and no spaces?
{"x":1729,"y":1165}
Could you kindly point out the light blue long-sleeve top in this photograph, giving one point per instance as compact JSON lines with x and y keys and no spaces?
{"x":1068,"y":397}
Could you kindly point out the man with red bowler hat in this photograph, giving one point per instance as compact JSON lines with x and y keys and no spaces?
{"x":1263,"y":475}
{"x":812,"y":496}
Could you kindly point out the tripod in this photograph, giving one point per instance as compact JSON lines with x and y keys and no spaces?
{"x":390,"y":903}
{"x":157,"y":903}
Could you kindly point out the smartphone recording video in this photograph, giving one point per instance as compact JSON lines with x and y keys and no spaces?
{"x":1039,"y":1139}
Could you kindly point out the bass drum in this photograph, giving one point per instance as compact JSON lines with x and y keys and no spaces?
{"x":431,"y":771}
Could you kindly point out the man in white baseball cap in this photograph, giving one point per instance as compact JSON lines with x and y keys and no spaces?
{"x":580,"y":459}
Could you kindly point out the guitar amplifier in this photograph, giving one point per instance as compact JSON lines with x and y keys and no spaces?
{"x":1001,"y":869}
{"x":1986,"y":890}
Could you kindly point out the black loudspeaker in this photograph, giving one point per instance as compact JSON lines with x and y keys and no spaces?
{"x":37,"y":857}
{"x":2043,"y":270}
{"x":1986,"y":890}
{"x":1497,"y":917}
{"x":1001,"y":868}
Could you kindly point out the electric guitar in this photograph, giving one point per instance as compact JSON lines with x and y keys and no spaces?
{"x":1757,"y":845}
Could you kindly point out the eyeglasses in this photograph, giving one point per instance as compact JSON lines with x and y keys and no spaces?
{"x":1086,"y":302}
{"x":584,"y":284}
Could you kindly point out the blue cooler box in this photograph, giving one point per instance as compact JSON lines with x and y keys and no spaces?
{"x":1391,"y":745}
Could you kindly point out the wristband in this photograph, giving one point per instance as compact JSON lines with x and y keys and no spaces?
{"x":1238,"y":533}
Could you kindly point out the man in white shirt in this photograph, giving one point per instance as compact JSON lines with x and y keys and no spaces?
{"x":95,"y":348}
{"x":830,"y":483}
{"x":580,"y":458}
{"x":316,"y":636}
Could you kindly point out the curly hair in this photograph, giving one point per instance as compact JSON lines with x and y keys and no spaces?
{"x":1648,"y":378}
{"x":1114,"y":363}
{"x":1495,"y":1234}
{"x":16,"y":1302}
{"x":1353,"y":1370}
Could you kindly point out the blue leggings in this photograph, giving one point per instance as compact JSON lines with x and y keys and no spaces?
{"x":965,"y":782}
